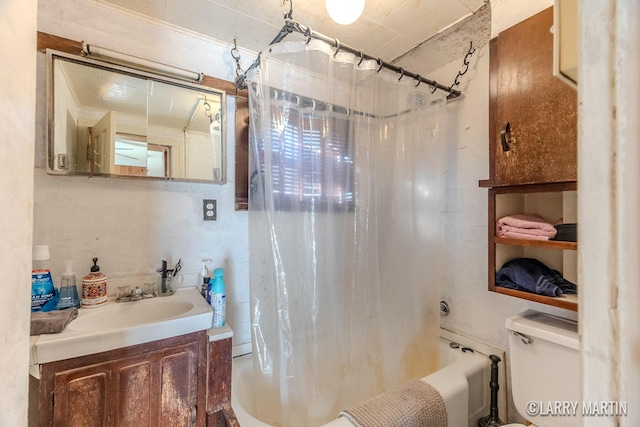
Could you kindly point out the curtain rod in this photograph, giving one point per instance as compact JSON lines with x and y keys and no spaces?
{"x":291,"y":26}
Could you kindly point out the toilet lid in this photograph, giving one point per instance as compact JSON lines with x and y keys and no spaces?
{"x":514,"y":425}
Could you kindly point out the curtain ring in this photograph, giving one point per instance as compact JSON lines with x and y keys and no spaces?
{"x":380,"y":64}
{"x":313,"y":104}
{"x":435,"y":87}
{"x":309,"y":35}
{"x":401,"y":71}
{"x":361,"y":59}
{"x":419,"y":79}
{"x":297,"y":101}
{"x":337,"y":47}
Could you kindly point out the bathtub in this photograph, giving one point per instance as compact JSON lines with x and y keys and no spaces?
{"x":463,"y":382}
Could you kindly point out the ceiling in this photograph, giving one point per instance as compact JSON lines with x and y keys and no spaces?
{"x":387,"y":29}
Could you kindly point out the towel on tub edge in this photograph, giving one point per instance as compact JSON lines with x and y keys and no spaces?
{"x":412,"y":404}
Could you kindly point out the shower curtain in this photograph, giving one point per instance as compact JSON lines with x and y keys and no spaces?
{"x":346,"y":201}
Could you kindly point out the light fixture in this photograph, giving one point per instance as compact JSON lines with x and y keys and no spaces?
{"x":345,"y":12}
{"x":118,"y":58}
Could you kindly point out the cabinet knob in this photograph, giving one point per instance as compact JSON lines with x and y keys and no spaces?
{"x":505,"y":136}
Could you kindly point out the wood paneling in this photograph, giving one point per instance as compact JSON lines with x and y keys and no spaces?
{"x":219,"y":378}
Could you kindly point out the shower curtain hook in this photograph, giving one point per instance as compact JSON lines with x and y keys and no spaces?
{"x":337,"y":47}
{"x":380,"y":63}
{"x":313,"y":104}
{"x":419,"y":79}
{"x":297,"y":101}
{"x":435,"y":87}
{"x":309,"y":35}
{"x":361,"y":58}
{"x":401,"y":71}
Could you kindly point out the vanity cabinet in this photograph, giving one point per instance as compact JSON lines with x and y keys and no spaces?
{"x":160,"y":383}
{"x":532,"y":151}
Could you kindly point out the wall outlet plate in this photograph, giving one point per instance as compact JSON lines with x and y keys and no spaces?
{"x":209,"y":211}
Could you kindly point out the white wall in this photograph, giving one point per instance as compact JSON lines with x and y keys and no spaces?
{"x":475,"y":312}
{"x":131,"y":226}
{"x":17,"y":121}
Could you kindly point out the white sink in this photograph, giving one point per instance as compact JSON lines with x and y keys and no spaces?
{"x":117,"y":325}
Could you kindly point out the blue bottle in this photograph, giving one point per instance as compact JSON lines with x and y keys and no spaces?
{"x":44,"y":295}
{"x":217,"y":298}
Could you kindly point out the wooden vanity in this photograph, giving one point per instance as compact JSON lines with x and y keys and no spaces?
{"x":179,"y":381}
{"x":154,"y":363}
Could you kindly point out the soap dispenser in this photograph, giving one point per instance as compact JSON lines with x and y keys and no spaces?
{"x":68,"y":297}
{"x":94,"y":287}
{"x":204,"y":276}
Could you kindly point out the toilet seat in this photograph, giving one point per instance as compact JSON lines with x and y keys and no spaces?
{"x":516,"y":425}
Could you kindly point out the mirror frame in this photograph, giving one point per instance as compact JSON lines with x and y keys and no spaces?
{"x":136,"y":72}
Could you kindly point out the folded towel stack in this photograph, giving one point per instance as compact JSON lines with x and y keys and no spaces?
{"x":525,"y":226}
{"x":51,"y":322}
{"x":413,"y":404}
{"x":530,"y":275}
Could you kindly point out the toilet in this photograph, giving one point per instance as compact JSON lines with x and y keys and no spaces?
{"x":536,"y":342}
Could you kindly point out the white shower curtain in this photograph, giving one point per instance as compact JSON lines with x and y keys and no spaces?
{"x":345,"y":213}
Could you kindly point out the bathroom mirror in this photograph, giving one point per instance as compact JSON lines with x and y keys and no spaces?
{"x":111,"y":120}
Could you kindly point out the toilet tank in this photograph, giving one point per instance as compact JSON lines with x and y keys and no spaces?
{"x":545,"y":368}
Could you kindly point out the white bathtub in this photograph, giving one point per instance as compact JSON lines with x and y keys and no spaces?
{"x":463,"y":382}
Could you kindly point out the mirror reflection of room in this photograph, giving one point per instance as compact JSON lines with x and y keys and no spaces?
{"x":114,"y":123}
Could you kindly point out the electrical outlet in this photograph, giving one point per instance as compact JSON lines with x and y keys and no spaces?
{"x":209,"y":210}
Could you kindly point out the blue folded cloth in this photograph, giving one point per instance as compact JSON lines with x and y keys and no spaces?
{"x":530,"y":275}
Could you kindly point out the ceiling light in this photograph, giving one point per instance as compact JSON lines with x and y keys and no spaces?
{"x":345,"y":12}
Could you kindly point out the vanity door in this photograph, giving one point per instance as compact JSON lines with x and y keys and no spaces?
{"x":154,"y":385}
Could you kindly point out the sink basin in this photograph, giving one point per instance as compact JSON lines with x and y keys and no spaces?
{"x":127,"y":314}
{"x":117,"y":325}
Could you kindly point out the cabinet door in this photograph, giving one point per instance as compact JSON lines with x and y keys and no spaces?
{"x":533,"y":115}
{"x":154,"y":385}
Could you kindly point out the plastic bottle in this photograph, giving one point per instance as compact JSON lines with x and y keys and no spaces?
{"x":68,"y":297}
{"x":94,"y":287}
{"x":217,"y":298}
{"x":204,"y":277}
{"x":44,"y":296}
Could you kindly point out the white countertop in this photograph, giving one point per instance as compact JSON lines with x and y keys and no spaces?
{"x":117,"y":325}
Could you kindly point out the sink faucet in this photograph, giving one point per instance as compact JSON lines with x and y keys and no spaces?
{"x":136,"y":293}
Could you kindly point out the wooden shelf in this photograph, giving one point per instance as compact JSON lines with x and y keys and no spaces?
{"x":568,"y":302}
{"x":547,"y":244}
